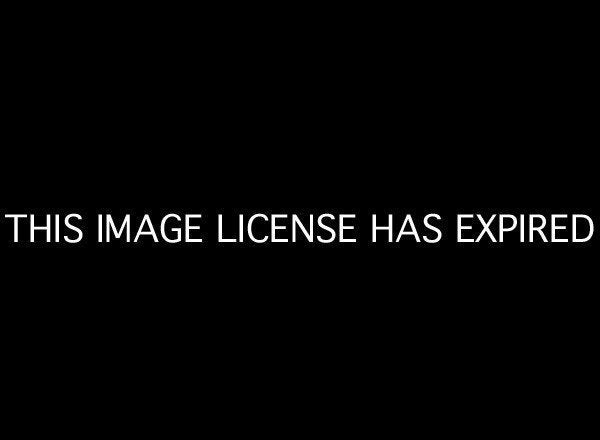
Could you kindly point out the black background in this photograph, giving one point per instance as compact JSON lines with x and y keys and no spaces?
{"x":386,"y":112}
